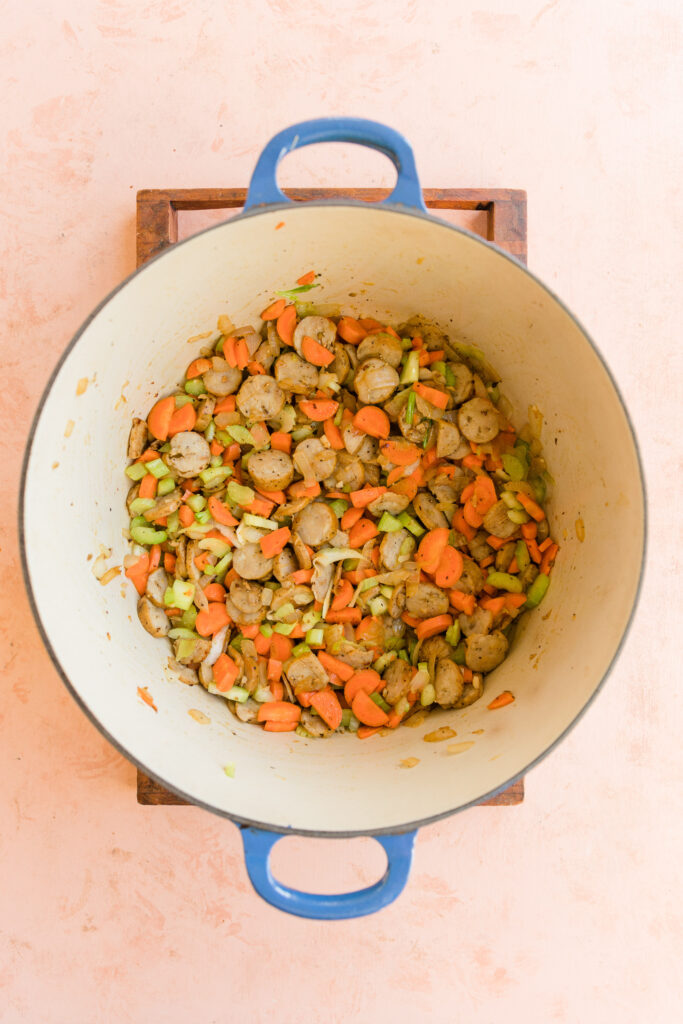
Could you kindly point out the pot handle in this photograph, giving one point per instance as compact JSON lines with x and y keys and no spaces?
{"x":264,"y":189}
{"x":322,"y":907}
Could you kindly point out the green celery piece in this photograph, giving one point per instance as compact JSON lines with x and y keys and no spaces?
{"x":514,"y":467}
{"x":213,"y":475}
{"x":203,"y":516}
{"x":453,"y":634}
{"x":265,"y":629}
{"x":411,"y":370}
{"x":505,"y":581}
{"x":140,"y":505}
{"x":237,"y":693}
{"x":410,"y":407}
{"x":147,"y":535}
{"x":183,"y":633}
{"x":240,"y":434}
{"x":181,"y":400}
{"x":459,"y":653}
{"x":450,"y":377}
{"x":185,"y":649}
{"x":157,"y":468}
{"x":410,"y":524}
{"x":522,"y":555}
{"x":195,"y":387}
{"x":389,"y":523}
{"x":537,"y":591}
{"x":165,"y":486}
{"x":239,"y":494}
{"x":136,"y":471}
{"x":377,"y":699}
{"x":339,"y":507}
{"x":428,"y":695}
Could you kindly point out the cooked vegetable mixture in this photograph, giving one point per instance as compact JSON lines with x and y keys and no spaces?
{"x":335,"y":522}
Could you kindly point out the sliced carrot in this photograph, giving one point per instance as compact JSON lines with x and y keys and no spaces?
{"x":367,"y":679}
{"x":351,"y":517}
{"x":501,"y":700}
{"x":280,"y":647}
{"x":370,"y":632}
{"x":473,"y":461}
{"x":530,"y":506}
{"x":221,"y":513}
{"x":148,"y":486}
{"x":334,"y":665}
{"x":363,"y":531}
{"x":169,"y":561}
{"x":279,"y":497}
{"x":255,"y":368}
{"x":351,"y":330}
{"x":201,"y":561}
{"x":471,"y":515}
{"x":490,"y":559}
{"x":462,"y":602}
{"x":274,"y":671}
{"x":495,"y":542}
{"x":211,"y":620}
{"x":260,"y":506}
{"x":249,"y":631}
{"x":262,"y":643}
{"x":352,"y":615}
{"x":373,"y":421}
{"x":326,"y":703}
{"x":394,"y":475}
{"x":407,"y":487}
{"x":280,"y":441}
{"x":548,"y":558}
{"x":342,"y":597}
{"x":467,"y":493}
{"x":300,"y":489}
{"x":439,"y":399}
{"x":307,"y":278}
{"x":160,"y":417}
{"x":529,"y":530}
{"x":485,"y":496}
{"x":277,"y":689}
{"x":214,"y":592}
{"x":430,"y":627}
{"x":273,"y":311}
{"x":357,"y":576}
{"x":197,"y":367}
{"x":279,"y":726}
{"x":186,"y":515}
{"x":182,"y":419}
{"x":241,"y":353}
{"x":227,"y":404}
{"x":138,"y":572}
{"x":370,"y":324}
{"x":230,"y":578}
{"x":364,"y":732}
{"x":278,"y":711}
{"x":316,"y":353}
{"x":301,"y":576}
{"x":495,"y":605}
{"x":333,"y":435}
{"x":216,"y":448}
{"x":449,"y":571}
{"x":431,"y":549}
{"x":319,"y":410}
{"x":401,"y":453}
{"x":286,"y":322}
{"x":462,"y":526}
{"x":275,"y":542}
{"x":534,"y":553}
{"x":149,"y":455}
{"x":145,"y":695}
{"x":225,"y":672}
{"x":514,"y":601}
{"x":411,"y":620}
{"x":230,"y":352}
{"x":362,"y":498}
{"x":367,"y":712}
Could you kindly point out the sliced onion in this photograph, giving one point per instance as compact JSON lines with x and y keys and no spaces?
{"x":216,"y":647}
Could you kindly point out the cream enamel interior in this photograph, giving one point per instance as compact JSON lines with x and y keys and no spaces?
{"x":136,"y":347}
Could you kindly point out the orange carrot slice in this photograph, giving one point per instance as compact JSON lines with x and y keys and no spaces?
{"x":160,"y":417}
{"x":197,"y":367}
{"x":316,"y":353}
{"x":326,"y":703}
{"x":501,"y":700}
{"x":273,"y":311}
{"x":319,"y":410}
{"x":286,"y":322}
{"x":367,"y":712}
{"x":430,"y":627}
{"x":373,"y":421}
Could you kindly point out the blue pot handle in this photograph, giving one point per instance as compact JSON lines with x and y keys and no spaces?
{"x":399,"y":851}
{"x":264,"y":190}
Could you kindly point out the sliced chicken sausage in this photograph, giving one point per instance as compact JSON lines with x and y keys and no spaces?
{"x":260,"y":398}
{"x":189,"y":453}
{"x":315,"y":525}
{"x":250,"y":563}
{"x":295,"y":375}
{"x":271,"y":470}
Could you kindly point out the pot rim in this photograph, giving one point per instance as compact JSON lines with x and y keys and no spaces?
{"x":250,"y":822}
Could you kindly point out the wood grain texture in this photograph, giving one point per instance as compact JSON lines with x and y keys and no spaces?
{"x":157,"y":229}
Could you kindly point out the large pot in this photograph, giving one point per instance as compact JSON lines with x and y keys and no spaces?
{"x":387,"y":260}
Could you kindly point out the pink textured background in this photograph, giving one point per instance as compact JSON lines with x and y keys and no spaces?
{"x":564,"y":909}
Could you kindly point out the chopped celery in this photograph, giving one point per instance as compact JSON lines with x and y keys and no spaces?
{"x":214,"y":475}
{"x":181,"y":595}
{"x":173,"y":522}
{"x":453,"y":634}
{"x":411,"y":370}
{"x":140,"y":505}
{"x":272,"y":585}
{"x":410,"y":407}
{"x":309,"y":620}
{"x":389,"y":523}
{"x":284,"y":611}
{"x":349,"y":564}
{"x":301,"y":433}
{"x":378,"y":605}
{"x":450,"y":377}
{"x":196,"y":502}
{"x":300,"y":649}
{"x":222,"y":566}
{"x":185,"y":649}
{"x":210,"y":432}
{"x":339,"y":507}
{"x":285,"y":628}
{"x":138,"y":521}
{"x":181,"y":400}
{"x":428,"y":695}
{"x":290,"y":292}
{"x":229,"y":769}
{"x":406,"y":344}
{"x":384,"y":660}
{"x":203,"y":517}
{"x":522,"y":555}
{"x":518,"y":515}
{"x":236,"y":642}
{"x":157,"y":468}
{"x":411,"y":524}
{"x":240,"y":434}
{"x":459,"y":653}
{"x":136,"y":471}
{"x":237,"y":693}
{"x":514,"y":467}
{"x":195,"y":386}
{"x":182,"y":633}
{"x":403,"y":655}
{"x":354,"y":724}
{"x":367,"y":584}
{"x":377,"y":699}
{"x":165,"y":486}
{"x":539,"y":488}
{"x":249,"y":519}
{"x":346,"y":718}
{"x":315,"y":637}
{"x":216,"y":545}
{"x":338,"y":416}
{"x":219,"y":344}
{"x":508,"y":498}
{"x":504,"y":581}
{"x":239,"y":494}
{"x":189,"y":617}
{"x":385,"y":590}
{"x":216,"y":461}
{"x":265,"y":629}
{"x":287,"y":419}
{"x":147,"y":535}
{"x":223,"y":437}
{"x":394,"y":643}
{"x":439,"y":367}
{"x":537,"y":591}
{"x":165,"y":448}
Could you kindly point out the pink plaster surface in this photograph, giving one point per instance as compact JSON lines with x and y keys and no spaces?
{"x":566,"y":908}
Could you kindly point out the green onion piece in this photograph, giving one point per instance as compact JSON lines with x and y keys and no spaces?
{"x":239,"y":494}
{"x":265,"y":524}
{"x":210,"y":432}
{"x":504,"y":581}
{"x":518,"y":515}
{"x":301,"y":433}
{"x":283,"y":611}
{"x":378,"y":605}
{"x":265,"y":629}
{"x":411,"y":524}
{"x":136,"y":471}
{"x":140,"y":505}
{"x":315,"y":637}
{"x":147,"y":535}
{"x":537,"y":591}
{"x":389,"y":523}
{"x":285,"y":628}
{"x":339,"y":507}
{"x":346,"y":718}
{"x":165,"y":486}
{"x":410,"y":407}
{"x":229,"y":770}
{"x":439,"y":367}
{"x":428,"y":695}
{"x":173,"y":523}
{"x":380,"y":701}
{"x":181,"y":633}
{"x":185,"y":649}
{"x":338,"y":416}
{"x":240,"y":434}
{"x":411,"y":370}
{"x":157,"y":468}
{"x":300,"y":649}
{"x":522,"y":555}
{"x":181,"y":400}
{"x":213,"y":475}
{"x":195,"y":386}
{"x":289,"y":292}
{"x":428,"y":436}
{"x":189,"y":617}
{"x":384,"y":660}
{"x":237,"y":693}
{"x":513,"y":466}
{"x":453,"y":634}
{"x":459,"y":654}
